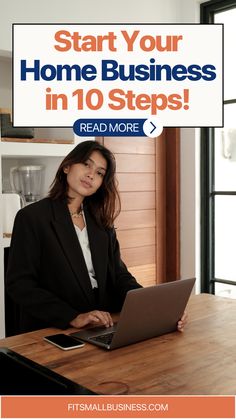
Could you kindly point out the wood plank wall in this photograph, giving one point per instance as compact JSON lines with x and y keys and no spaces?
{"x":136,"y":224}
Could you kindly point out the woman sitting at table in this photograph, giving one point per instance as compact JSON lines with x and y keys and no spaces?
{"x":64,"y":266}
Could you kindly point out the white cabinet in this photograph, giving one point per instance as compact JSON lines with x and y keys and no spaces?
{"x":19,"y":154}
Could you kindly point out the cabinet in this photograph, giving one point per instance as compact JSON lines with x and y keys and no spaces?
{"x":17,"y":153}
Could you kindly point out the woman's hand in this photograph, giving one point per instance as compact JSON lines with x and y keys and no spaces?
{"x":182,"y":322}
{"x":94,"y":317}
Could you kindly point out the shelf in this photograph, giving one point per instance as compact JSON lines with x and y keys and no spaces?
{"x":41,"y":148}
{"x":30,"y":149}
{"x":35,"y":140}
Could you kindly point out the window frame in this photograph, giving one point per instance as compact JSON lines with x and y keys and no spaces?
{"x":207,"y":177}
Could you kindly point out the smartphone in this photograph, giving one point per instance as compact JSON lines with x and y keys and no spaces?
{"x":64,"y":342}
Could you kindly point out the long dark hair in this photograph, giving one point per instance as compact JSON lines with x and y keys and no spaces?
{"x":104,"y":204}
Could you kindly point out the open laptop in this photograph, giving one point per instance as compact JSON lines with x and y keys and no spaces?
{"x":146,"y":313}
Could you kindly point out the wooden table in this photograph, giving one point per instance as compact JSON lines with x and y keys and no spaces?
{"x":201,"y":360}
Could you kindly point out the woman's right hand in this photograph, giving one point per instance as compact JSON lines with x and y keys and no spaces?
{"x":94,"y":317}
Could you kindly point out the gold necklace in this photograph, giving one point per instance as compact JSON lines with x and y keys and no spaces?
{"x":76,"y":214}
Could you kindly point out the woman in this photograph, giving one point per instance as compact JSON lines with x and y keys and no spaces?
{"x":64,"y":265}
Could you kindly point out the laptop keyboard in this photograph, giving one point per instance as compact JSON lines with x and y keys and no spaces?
{"x":106,"y":338}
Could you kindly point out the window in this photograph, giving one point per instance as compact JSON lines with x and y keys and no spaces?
{"x":218,"y":170}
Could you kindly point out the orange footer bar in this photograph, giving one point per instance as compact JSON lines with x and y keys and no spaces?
{"x":117,"y":407}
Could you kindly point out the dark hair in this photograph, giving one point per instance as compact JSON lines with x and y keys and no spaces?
{"x":104,"y":204}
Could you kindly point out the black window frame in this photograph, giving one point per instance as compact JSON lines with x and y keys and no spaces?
{"x":207,"y":181}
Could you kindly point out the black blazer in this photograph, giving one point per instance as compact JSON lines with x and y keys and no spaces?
{"x":47,"y":275}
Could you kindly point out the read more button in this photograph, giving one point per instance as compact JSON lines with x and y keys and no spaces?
{"x":109,"y":127}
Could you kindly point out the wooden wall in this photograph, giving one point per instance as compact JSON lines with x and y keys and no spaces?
{"x":136,"y":224}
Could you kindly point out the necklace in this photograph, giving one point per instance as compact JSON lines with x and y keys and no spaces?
{"x":76,"y":214}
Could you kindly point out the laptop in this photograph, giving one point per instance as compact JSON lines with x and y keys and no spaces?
{"x":146,"y":313}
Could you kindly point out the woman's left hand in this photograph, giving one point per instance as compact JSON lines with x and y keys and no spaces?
{"x":182,"y":322}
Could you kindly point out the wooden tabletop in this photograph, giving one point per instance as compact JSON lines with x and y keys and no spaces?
{"x":201,"y":360}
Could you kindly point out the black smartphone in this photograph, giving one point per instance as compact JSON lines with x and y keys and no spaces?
{"x":64,"y":342}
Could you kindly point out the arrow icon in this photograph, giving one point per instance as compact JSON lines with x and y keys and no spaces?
{"x":154,"y":127}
